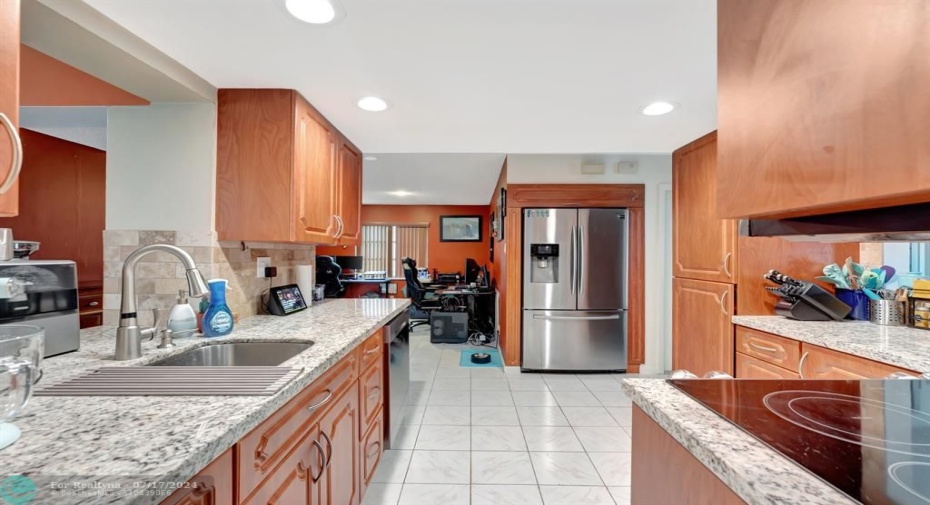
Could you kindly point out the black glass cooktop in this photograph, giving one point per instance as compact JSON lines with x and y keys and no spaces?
{"x":869,"y":439}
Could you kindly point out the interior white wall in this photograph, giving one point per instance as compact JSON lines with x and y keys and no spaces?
{"x":161,"y":167}
{"x":653,"y":171}
{"x":81,"y":125}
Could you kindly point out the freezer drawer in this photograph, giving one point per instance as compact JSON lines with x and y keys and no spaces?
{"x":574,"y":340}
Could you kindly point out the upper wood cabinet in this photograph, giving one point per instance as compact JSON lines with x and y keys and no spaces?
{"x":704,"y":247}
{"x":279,"y":171}
{"x":816,"y":100}
{"x":702,"y":334}
{"x":11,"y":152}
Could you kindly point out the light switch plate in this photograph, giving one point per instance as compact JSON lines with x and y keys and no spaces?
{"x":261,"y":263}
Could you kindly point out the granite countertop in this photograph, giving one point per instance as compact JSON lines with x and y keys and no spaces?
{"x":895,"y":345}
{"x":132,"y":440}
{"x":755,"y":472}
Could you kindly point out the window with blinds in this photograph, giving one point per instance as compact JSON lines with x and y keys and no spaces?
{"x":384,"y":246}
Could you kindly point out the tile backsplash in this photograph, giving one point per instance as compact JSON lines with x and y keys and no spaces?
{"x":159,"y":276}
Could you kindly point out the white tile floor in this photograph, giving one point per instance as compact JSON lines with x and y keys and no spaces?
{"x":484,"y":436}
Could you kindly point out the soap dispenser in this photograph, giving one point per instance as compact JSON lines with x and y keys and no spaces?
{"x":182,"y":320}
{"x":218,"y":320}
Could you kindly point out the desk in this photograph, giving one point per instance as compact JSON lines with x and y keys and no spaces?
{"x":361,"y":284}
{"x":480,"y":315}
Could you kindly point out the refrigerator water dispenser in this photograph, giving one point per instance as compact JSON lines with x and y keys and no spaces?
{"x":545,"y":266}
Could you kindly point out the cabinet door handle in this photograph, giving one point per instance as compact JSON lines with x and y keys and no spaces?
{"x":340,"y":226}
{"x":763,"y":348}
{"x":726,"y":264}
{"x":375,"y":392}
{"x":801,"y":365}
{"x":93,"y":304}
{"x":329,"y":451}
{"x":322,"y":461}
{"x":377,"y":447}
{"x":329,"y":396}
{"x":723,"y":303}
{"x":16,"y":164}
{"x":373,"y":350}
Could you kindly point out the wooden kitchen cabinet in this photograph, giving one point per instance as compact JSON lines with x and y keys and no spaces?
{"x":822,"y":363}
{"x":10,"y":149}
{"x":818,"y":98}
{"x":704,"y":247}
{"x":778,"y":351}
{"x":284,"y":173}
{"x":212,"y":486}
{"x":748,"y":367}
{"x":658,"y":459}
{"x":339,"y":483}
{"x":297,"y":480}
{"x":702,"y":334}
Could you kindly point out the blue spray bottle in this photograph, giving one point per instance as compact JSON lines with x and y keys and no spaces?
{"x":218,"y":320}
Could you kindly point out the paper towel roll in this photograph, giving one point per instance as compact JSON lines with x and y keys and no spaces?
{"x":305,"y":274}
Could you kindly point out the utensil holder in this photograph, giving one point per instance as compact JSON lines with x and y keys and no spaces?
{"x":888,"y":312}
{"x":857,"y":301}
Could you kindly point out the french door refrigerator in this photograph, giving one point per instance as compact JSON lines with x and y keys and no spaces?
{"x":574,"y":289}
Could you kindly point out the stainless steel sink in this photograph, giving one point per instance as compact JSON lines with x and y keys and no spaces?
{"x":237,"y":354}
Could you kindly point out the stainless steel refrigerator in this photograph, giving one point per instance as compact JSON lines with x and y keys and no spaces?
{"x":574,"y":289}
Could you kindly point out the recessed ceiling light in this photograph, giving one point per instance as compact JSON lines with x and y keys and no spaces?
{"x":658,"y":108}
{"x":318,"y":12}
{"x":373,"y":104}
{"x":371,"y":158}
{"x":401,"y":193}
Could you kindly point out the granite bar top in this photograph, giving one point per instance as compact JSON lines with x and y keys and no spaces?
{"x":131,"y":441}
{"x":755,"y":472}
{"x":895,"y":345}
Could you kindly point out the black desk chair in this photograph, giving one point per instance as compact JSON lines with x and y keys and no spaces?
{"x":421,"y":303}
{"x":327,"y":274}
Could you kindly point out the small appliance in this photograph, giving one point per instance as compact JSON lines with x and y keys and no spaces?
{"x":285,"y":300}
{"x":42,"y":293}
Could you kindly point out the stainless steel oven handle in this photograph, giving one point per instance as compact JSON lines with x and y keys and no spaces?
{"x":16,"y":163}
{"x":612,"y":317}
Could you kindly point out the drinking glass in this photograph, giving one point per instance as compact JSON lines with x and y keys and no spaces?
{"x":21,"y":350}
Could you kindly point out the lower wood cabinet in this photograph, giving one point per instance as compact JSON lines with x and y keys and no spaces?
{"x":748,"y":367}
{"x":321,"y":448}
{"x":702,"y":333}
{"x":822,"y":363}
{"x":664,"y":472}
{"x":214,"y":485}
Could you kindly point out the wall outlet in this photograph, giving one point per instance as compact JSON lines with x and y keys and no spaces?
{"x":262,"y":262}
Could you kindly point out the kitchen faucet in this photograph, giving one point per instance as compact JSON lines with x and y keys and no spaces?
{"x":129,"y":334}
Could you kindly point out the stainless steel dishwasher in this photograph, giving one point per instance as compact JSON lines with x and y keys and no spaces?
{"x":397,"y":374}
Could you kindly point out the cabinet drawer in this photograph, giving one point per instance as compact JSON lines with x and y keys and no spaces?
{"x":91,"y":320}
{"x":371,"y":350}
{"x":266,"y":446}
{"x":212,"y":486}
{"x":821,"y":363}
{"x":296,"y":479}
{"x":779,"y":351}
{"x":371,"y":448}
{"x":748,"y":367}
{"x":371,"y":393}
{"x":90,"y":299}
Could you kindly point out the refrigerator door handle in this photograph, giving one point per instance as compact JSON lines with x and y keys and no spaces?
{"x":580,"y":259}
{"x":611,"y":317}
{"x":571,"y":252}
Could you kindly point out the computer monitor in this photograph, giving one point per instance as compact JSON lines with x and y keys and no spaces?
{"x":471,"y":270}
{"x":356,"y":263}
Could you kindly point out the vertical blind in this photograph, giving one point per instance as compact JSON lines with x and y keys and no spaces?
{"x":384,"y":246}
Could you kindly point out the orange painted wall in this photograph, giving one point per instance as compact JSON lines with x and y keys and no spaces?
{"x":443,"y":256}
{"x":42,"y":81}
{"x":498,"y":268}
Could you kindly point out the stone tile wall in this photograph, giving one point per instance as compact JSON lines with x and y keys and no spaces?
{"x":159,"y":276}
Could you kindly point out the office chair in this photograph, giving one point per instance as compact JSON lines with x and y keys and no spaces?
{"x":327,"y":274}
{"x":421,"y":303}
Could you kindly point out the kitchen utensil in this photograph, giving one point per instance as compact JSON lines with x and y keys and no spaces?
{"x":871,"y":294}
{"x":6,"y":244}
{"x":888,"y":312}
{"x":21,"y":350}
{"x":889,"y":272}
{"x":869,"y":280}
{"x":25,"y":248}
{"x":835,"y":275}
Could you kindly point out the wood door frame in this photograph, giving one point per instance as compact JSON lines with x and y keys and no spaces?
{"x":522,"y":196}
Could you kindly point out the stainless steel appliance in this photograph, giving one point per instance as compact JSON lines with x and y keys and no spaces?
{"x":397,"y":371}
{"x":42,"y":293}
{"x":574,"y":289}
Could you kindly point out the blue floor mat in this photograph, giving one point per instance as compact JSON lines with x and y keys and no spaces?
{"x":495,"y":358}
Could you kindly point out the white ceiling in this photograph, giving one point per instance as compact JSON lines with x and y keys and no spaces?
{"x":434,"y":179}
{"x":464,"y":76}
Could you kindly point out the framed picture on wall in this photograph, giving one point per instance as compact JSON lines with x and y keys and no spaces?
{"x":501,"y":213}
{"x":492,"y":227}
{"x":460,"y":229}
